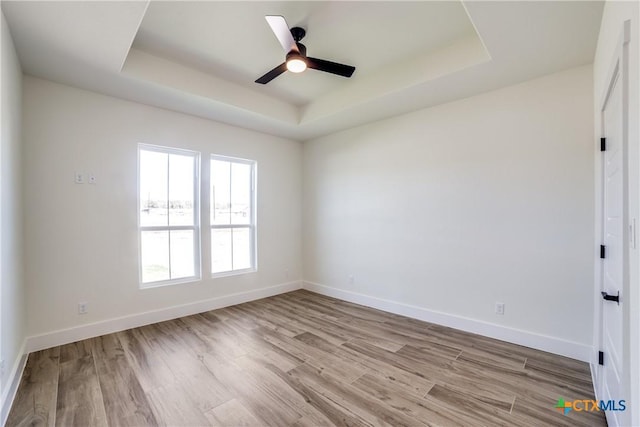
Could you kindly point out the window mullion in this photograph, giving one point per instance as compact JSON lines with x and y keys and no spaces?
{"x":197,"y":261}
{"x":163,"y":227}
{"x":231,"y":204}
{"x":168,"y":212}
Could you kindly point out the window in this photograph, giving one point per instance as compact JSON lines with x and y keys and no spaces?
{"x":233,"y":229}
{"x":168,"y":215}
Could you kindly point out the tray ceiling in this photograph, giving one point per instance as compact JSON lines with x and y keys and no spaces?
{"x":202,"y":58}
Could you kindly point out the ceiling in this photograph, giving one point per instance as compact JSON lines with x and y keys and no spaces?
{"x":202,"y":58}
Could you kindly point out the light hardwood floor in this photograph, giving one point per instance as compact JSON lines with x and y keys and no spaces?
{"x":298,"y":359}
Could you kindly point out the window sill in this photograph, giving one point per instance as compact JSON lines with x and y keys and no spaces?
{"x":233,"y":273}
{"x":163,"y":283}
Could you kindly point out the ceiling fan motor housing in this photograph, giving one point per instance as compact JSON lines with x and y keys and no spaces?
{"x":298,"y":33}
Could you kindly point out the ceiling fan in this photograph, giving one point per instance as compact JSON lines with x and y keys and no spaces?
{"x":297,"y":60}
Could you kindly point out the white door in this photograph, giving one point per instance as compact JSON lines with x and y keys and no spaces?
{"x":614,"y":226}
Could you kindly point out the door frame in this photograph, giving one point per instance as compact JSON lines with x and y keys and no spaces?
{"x":618,"y":69}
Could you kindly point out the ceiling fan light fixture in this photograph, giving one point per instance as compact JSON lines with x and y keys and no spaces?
{"x":296,"y":64}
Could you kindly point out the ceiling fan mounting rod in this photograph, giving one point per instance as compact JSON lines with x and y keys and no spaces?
{"x":302,"y":50}
{"x":298,"y":33}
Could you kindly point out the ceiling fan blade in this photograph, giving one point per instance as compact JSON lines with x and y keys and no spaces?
{"x":330,"y":67}
{"x":272,"y":74}
{"x":281,"y":30}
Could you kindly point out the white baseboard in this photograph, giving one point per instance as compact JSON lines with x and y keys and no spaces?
{"x":547,"y":343}
{"x":14,"y":381}
{"x":65,"y":336}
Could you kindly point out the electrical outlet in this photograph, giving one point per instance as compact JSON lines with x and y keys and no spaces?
{"x":92,"y":179}
{"x":286,"y":273}
{"x":351,"y":279}
{"x":79,"y":178}
{"x":500,"y":308}
{"x":83,"y":308}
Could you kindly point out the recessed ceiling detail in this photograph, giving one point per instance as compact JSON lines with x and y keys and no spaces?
{"x":230,"y":40}
{"x":202,"y":58}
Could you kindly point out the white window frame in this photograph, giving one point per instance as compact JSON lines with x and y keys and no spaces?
{"x":196,"y":219}
{"x":252,"y":223}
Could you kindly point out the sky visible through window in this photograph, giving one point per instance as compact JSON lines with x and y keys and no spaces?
{"x":166,"y":189}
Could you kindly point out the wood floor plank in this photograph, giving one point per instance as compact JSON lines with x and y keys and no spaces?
{"x":311,"y":355}
{"x":321,"y":311}
{"x":125,"y":402}
{"x":298,"y":359}
{"x":421,"y":410}
{"x":172,"y":407}
{"x":75,"y":350}
{"x":264,"y":319}
{"x":330,"y":407}
{"x":396,"y":396}
{"x":217,"y":335}
{"x":255,"y":344}
{"x":80,"y":401}
{"x":234,"y":314}
{"x":486,"y":411}
{"x":519,"y":380}
{"x":300,"y":316}
{"x":433,"y":369}
{"x":151,"y":371}
{"x":269,"y":378}
{"x":485,"y":346}
{"x":528,"y":412}
{"x":422,"y":339}
{"x":35,"y":401}
{"x":203,"y":390}
{"x":559,"y":366}
{"x":514,"y":362}
{"x":440,"y":355}
{"x":315,"y":341}
{"x":412,"y":383}
{"x":368,"y":333}
{"x":231,"y":413}
{"x":266,"y":406}
{"x":353,"y":399}
{"x":429,"y":372}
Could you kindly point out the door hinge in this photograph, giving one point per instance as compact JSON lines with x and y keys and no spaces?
{"x":600,"y":358}
{"x":602,"y":251}
{"x":603,"y":144}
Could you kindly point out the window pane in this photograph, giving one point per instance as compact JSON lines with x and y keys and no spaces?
{"x":240,"y":193}
{"x":182,"y":259}
{"x":155,"y":256}
{"x":241,"y":248}
{"x":153,"y":188}
{"x":220,"y":250}
{"x":220,"y":192}
{"x":181,"y":190}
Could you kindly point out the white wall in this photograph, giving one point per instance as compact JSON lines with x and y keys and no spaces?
{"x":81,"y":240}
{"x":614,"y":15}
{"x":452,"y":208}
{"x":12,"y":299}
